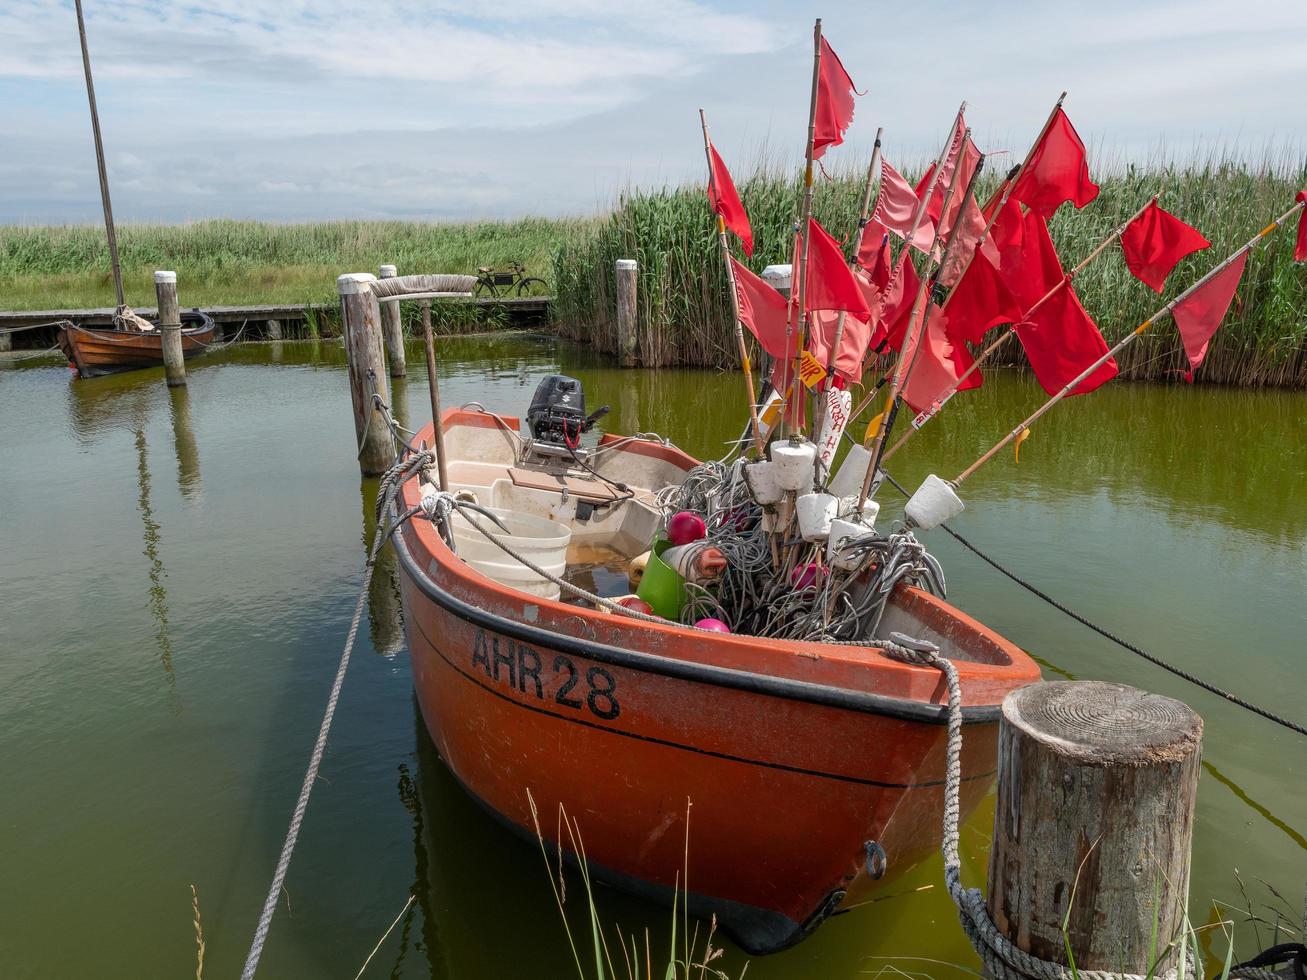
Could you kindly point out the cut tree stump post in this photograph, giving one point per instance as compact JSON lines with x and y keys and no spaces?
{"x":360,"y":317}
{"x":170,"y":328}
{"x":627,"y":343}
{"x":393,"y":329}
{"x":1094,"y":822}
{"x":272,"y":330}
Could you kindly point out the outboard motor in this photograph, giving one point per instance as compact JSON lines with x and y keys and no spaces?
{"x":557,"y":413}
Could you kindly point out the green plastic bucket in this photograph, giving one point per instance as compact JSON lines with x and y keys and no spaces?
{"x":661,"y":587}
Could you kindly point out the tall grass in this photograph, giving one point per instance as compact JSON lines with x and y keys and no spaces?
{"x":683,"y":310}
{"x":249,"y":262}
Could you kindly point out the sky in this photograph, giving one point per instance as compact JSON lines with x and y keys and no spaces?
{"x":295,"y":110}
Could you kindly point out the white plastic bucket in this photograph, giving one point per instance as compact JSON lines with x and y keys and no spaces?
{"x":541,"y":542}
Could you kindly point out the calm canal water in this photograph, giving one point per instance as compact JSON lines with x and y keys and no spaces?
{"x":178,"y":570}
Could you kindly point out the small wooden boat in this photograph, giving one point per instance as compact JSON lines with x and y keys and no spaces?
{"x":812,"y":773}
{"x":94,"y":351}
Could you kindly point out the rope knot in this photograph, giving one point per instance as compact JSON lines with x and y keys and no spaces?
{"x":438,"y":505}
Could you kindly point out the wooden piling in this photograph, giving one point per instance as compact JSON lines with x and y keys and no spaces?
{"x":360,"y":317}
{"x":170,"y":328}
{"x":392,"y":328}
{"x":272,"y":330}
{"x":1094,"y":821}
{"x":627,"y":340}
{"x":6,"y":341}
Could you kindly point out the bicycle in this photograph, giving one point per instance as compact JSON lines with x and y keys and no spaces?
{"x":491,"y":282}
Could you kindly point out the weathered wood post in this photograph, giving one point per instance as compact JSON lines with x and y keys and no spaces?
{"x":1094,"y":820}
{"x":393,"y":329}
{"x":360,"y":317}
{"x":6,"y":341}
{"x":272,"y":330}
{"x":627,"y":341}
{"x":170,"y":328}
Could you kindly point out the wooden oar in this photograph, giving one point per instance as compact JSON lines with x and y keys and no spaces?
{"x":1160,"y":314}
{"x":745,"y":365}
{"x":980,"y":359}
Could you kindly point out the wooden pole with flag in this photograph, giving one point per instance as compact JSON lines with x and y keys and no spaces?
{"x":745,"y":364}
{"x":799,"y":291}
{"x":952,"y":390}
{"x":1021,"y":429}
{"x":873,"y":170}
{"x":913,"y":333}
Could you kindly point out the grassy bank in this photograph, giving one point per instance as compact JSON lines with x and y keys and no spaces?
{"x":684,"y":316}
{"x":247,"y":262}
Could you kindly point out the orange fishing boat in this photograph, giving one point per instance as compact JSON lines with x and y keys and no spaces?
{"x":94,"y":351}
{"x":812,"y":773}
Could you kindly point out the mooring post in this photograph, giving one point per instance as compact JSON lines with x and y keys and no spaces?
{"x":393,"y":329}
{"x":6,"y":341}
{"x":626,"y":335}
{"x":360,"y":317}
{"x":170,"y":328}
{"x":272,"y":330}
{"x":1094,"y":821}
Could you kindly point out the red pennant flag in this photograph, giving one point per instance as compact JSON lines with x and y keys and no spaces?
{"x":1300,"y":252}
{"x":965,"y":162}
{"x":1155,"y":241}
{"x":1056,"y":170}
{"x":899,"y":299}
{"x":939,"y":363}
{"x":1199,"y":314}
{"x":1029,"y":265}
{"x":725,"y":201}
{"x":980,"y":301}
{"x":874,"y":252}
{"x":835,"y":91}
{"x":856,"y":336}
{"x":830,"y":283}
{"x":1061,"y":341}
{"x":1007,"y":229}
{"x":895,"y":206}
{"x":764,"y":311}
{"x":970,"y":226}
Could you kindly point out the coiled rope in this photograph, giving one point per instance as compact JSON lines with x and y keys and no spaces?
{"x":1107,"y":634}
{"x":390,"y":485}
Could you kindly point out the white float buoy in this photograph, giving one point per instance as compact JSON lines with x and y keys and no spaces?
{"x":793,"y":461}
{"x":934,"y":503}
{"x":816,"y":511}
{"x":849,"y":510}
{"x":763,"y":483}
{"x":844,"y":532}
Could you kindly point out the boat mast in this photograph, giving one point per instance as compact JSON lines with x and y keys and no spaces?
{"x":99,"y":161}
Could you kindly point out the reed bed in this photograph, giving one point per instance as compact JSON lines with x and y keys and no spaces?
{"x":683,"y":308}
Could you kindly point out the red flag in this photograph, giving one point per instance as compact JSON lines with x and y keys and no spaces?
{"x":874,"y":252}
{"x":1029,"y":265}
{"x":830,"y":284}
{"x":965,"y":162}
{"x":939,"y":363}
{"x":1061,"y":341}
{"x":835,"y":91}
{"x":896,"y":204}
{"x":763,"y":310}
{"x":1007,"y":228}
{"x":1056,"y":170}
{"x":958,"y":150}
{"x":1300,"y":252}
{"x":899,"y":299}
{"x":725,"y":201}
{"x":855,"y":338}
{"x":970,"y":226}
{"x":980,"y":301}
{"x":1155,"y":241}
{"x":1199,"y":314}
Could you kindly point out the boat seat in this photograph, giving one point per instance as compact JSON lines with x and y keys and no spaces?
{"x":583,"y":487}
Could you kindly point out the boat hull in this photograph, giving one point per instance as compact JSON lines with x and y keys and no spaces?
{"x":95,"y":352}
{"x":770,"y":772}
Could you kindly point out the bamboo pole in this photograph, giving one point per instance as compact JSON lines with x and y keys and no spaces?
{"x":433,"y":382}
{"x":799,"y":292}
{"x":725,"y":246}
{"x":912,"y":332}
{"x":99,"y":163}
{"x":1160,"y":314}
{"x":993,"y":346}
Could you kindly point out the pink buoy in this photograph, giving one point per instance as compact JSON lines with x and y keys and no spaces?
{"x":712,"y":625}
{"x":807,"y":576}
{"x":686,"y":527}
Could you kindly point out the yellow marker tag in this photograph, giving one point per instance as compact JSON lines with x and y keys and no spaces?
{"x":873,"y":427}
{"x":810,"y":370}
{"x":1022,"y":437}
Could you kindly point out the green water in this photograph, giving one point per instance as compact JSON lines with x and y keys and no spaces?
{"x":178,"y":569}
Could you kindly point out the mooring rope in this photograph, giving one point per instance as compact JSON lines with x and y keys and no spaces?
{"x":1003,"y":960}
{"x":390,"y":485}
{"x":1107,"y":634}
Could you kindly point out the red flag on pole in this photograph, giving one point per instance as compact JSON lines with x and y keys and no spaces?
{"x":980,"y":301}
{"x":899,"y":298}
{"x":725,"y":201}
{"x":1155,"y":241}
{"x":874,"y":252}
{"x":1199,"y":314}
{"x":1300,"y":252}
{"x":856,"y":336}
{"x":763,"y":310}
{"x":1029,"y":264}
{"x":939,"y":363}
{"x":835,"y":91}
{"x":1056,"y":170}
{"x":830,"y":284}
{"x":967,"y":158}
{"x":1061,"y":341}
{"x":895,"y":206}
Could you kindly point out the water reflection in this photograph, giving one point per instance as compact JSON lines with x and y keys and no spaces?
{"x":385,"y":617}
{"x":158,"y":594}
{"x":183,"y":440}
